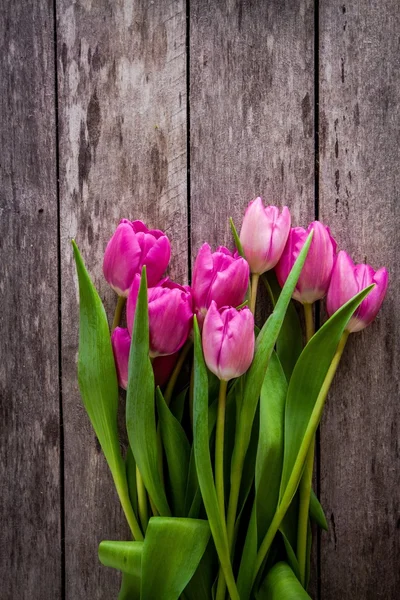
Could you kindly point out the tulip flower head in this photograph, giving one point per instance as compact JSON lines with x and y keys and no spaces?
{"x":218,"y":276}
{"x":347,"y":280}
{"x":315,"y":276}
{"x":228,"y":341}
{"x":170,"y":315}
{"x":131,"y":247}
{"x":263,"y":235}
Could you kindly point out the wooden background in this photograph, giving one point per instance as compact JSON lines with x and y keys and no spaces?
{"x":180,"y":113}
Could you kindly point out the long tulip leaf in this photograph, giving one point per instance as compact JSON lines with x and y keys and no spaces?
{"x":270,"y":444}
{"x":124,"y":556}
{"x":98,"y":382}
{"x":245,"y":577}
{"x":200,"y":586}
{"x":203,"y":463}
{"x":130,"y":587}
{"x":140,"y":405}
{"x":308,"y":389}
{"x":317,"y":512}
{"x":177,"y":452}
{"x":306,"y":382}
{"x":281,"y":584}
{"x":289,"y":343}
{"x":172,"y":551}
{"x":264,"y":346}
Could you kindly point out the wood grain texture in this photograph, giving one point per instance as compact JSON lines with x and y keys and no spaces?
{"x":360,"y":199}
{"x":251,"y":115}
{"x":30,"y":513}
{"x":251,"y":111}
{"x":122,"y":120}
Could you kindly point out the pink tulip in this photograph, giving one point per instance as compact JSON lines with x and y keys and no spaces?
{"x":131,"y":247}
{"x":219,"y":276}
{"x":170,"y":315}
{"x":263,"y":235}
{"x":316,"y":274}
{"x":121,"y":344}
{"x":347,"y":280}
{"x":228,"y":341}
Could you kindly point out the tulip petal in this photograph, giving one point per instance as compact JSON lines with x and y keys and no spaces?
{"x":121,"y":259}
{"x":121,"y":343}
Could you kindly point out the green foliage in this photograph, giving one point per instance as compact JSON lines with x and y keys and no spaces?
{"x":98,"y":382}
{"x":172,"y":551}
{"x":281,"y":584}
{"x":140,"y":406}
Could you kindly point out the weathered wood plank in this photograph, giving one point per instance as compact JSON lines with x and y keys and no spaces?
{"x":360,"y":199}
{"x":122,"y":91}
{"x":30,"y":512}
{"x":251,"y":113}
{"x":251,"y":107}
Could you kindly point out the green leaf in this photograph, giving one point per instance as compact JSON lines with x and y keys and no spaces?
{"x":249,"y":555}
{"x":306,"y":382}
{"x":289,"y":344}
{"x":140,"y":407}
{"x":171,"y":553}
{"x":130,"y":468}
{"x":270,"y":444}
{"x":236,"y":238}
{"x":317,"y":512}
{"x":130,"y":587}
{"x":291,"y":555}
{"x":124,"y":556}
{"x":203,"y":463}
{"x":281,"y":584}
{"x":177,"y":404}
{"x":264,"y":347}
{"x":98,"y":382}
{"x":177,"y":452}
{"x":200,"y":586}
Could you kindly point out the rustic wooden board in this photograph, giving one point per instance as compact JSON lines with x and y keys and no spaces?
{"x":251,"y":111}
{"x":251,"y":114}
{"x":30,"y":512}
{"x":360,"y":199}
{"x":122,"y":121}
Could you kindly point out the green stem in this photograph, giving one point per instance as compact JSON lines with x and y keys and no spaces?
{"x":304,"y":511}
{"x":309,"y":319}
{"x":123,"y":494}
{"x":301,"y":457}
{"x":175,"y":373}
{"x":118,"y":312}
{"x":254,"y":285}
{"x":306,"y":478}
{"x":219,"y":448}
{"x":219,"y":470}
{"x":236,"y":478}
{"x":142,"y":500}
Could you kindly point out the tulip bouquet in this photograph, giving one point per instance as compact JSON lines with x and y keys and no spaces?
{"x":221,"y":411}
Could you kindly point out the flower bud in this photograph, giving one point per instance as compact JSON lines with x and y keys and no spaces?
{"x":347,"y":280}
{"x":170,"y":315}
{"x":219,"y":276}
{"x":316,"y":274}
{"x":228,"y":341}
{"x":131,"y":247}
{"x":121,"y":344}
{"x":263,"y":235}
